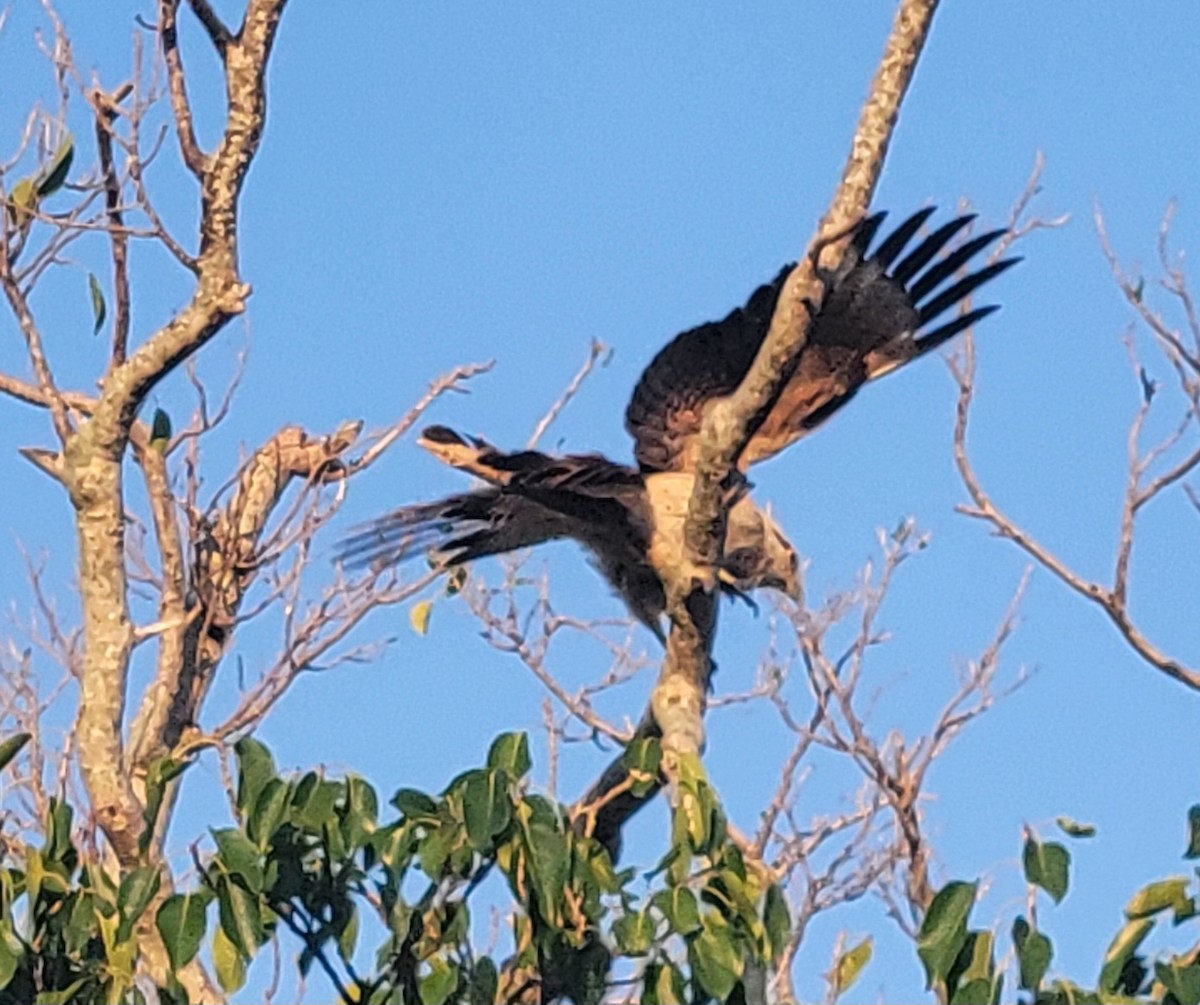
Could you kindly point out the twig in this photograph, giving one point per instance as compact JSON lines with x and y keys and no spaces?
{"x":1112,"y":600}
{"x":105,"y":109}
{"x":446,"y":382}
{"x":218,"y":34}
{"x":595,"y":351}
{"x":181,"y":106}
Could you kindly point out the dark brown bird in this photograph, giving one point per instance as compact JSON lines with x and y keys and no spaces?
{"x":875,"y":317}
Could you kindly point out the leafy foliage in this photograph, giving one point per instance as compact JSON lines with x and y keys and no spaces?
{"x":312,"y":855}
{"x":317,"y":859}
{"x":961,"y":963}
{"x":67,"y":930}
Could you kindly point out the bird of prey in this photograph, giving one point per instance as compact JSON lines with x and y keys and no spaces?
{"x":876,"y":315}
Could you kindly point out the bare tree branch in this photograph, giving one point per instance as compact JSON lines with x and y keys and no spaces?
{"x":217,"y":32}
{"x":678,"y":700}
{"x":595,"y":351}
{"x":181,"y":106}
{"x":105,"y":108}
{"x":1140,"y":488}
{"x":94,"y":453}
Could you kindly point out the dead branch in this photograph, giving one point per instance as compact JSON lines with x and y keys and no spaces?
{"x":93,"y":453}
{"x":217,"y":32}
{"x":226,"y":562}
{"x":1141,"y":485}
{"x":181,"y":105}
{"x":451,"y":381}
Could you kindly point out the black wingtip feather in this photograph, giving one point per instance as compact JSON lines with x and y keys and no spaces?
{"x":865,"y":232}
{"x":935,"y":338}
{"x":887,"y":252}
{"x":963,"y":289}
{"x":924,"y":252}
{"x":951,"y":264}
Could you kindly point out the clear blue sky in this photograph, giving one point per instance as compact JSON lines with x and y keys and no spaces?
{"x":444,"y":183}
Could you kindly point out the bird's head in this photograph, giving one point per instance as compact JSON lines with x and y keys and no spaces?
{"x":758,"y":554}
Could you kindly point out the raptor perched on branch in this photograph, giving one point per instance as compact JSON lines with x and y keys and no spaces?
{"x":876,"y":316}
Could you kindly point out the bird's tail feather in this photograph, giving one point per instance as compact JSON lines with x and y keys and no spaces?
{"x":456,"y":529}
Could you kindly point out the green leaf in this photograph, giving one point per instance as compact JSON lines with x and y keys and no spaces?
{"x":160,"y":431}
{"x":99,"y":308}
{"x":1073,"y":828}
{"x":1034,"y":952}
{"x":181,"y":922}
{"x":1161,"y":896}
{"x":360,"y":819}
{"x":436,"y":987}
{"x":679,"y":907}
{"x":348,"y":937}
{"x":634,"y":933}
{"x":58,"y":846}
{"x":81,"y":926}
{"x":487,"y":808}
{"x":594,"y":864}
{"x":1193,"y":844}
{"x":415,"y":805}
{"x":23,"y":201}
{"x":1048,"y":865}
{"x":777,"y":919}
{"x":314,"y":803}
{"x":643,"y":761}
{"x":230,"y":967}
{"x":1181,"y":980}
{"x":703,"y":821}
{"x":944,"y":930}
{"x":549,"y":867}
{"x":11,"y":952}
{"x":728,"y":891}
{"x":240,"y":917}
{"x":137,"y":890}
{"x":237,"y":855}
{"x":256,"y":766}
{"x":418,"y":616}
{"x":484,"y":981}
{"x":510,"y":751}
{"x":979,"y":991}
{"x":268,"y":813}
{"x":1121,"y":950}
{"x":64,"y":997}
{"x":435,"y":849}
{"x":11,"y":747}
{"x":102,"y":887}
{"x":716,"y":962}
{"x":663,"y":984}
{"x":54,"y":175}
{"x":972,"y":978}
{"x":161,"y":772}
{"x":850,"y":965}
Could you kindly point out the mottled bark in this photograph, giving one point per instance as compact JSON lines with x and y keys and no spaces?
{"x":226,"y":564}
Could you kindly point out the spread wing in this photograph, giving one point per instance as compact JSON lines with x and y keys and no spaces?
{"x":532,"y":498}
{"x":878,"y":313}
